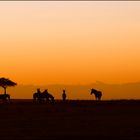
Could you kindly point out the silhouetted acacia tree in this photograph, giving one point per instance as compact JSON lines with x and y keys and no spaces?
{"x":5,"y":82}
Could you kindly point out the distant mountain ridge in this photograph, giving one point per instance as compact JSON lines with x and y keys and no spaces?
{"x":110,"y":91}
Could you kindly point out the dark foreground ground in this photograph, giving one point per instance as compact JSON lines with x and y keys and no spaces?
{"x":74,"y":120}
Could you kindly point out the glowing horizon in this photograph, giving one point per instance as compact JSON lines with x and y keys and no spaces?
{"x":70,"y":42}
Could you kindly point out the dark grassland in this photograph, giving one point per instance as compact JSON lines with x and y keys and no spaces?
{"x":75,"y":119}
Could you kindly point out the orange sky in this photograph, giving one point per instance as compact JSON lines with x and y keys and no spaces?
{"x":70,"y":42}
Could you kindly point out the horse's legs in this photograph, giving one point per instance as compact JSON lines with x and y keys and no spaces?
{"x":34,"y":98}
{"x":99,"y":97}
{"x":52,"y":99}
{"x":49,"y":99}
{"x":39,"y":99}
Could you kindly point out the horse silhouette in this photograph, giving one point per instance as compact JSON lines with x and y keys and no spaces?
{"x":44,"y":96}
{"x":5,"y":97}
{"x":98,"y":94}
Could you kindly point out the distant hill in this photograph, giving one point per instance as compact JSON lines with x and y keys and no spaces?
{"x":110,"y":91}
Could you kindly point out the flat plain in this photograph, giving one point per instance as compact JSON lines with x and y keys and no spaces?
{"x":74,"y":119}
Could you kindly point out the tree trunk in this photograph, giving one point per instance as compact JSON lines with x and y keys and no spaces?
{"x":4,"y":90}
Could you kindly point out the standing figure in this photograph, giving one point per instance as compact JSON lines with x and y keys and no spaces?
{"x":64,"y":96}
{"x":37,"y":96}
{"x":38,"y":91}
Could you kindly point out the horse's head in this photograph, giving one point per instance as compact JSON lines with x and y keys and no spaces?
{"x":38,"y":90}
{"x":92,"y":91}
{"x":45,"y":91}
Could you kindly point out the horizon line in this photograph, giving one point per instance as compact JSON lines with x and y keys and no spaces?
{"x":96,"y":82}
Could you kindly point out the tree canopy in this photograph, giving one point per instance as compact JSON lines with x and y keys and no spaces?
{"x":5,"y":82}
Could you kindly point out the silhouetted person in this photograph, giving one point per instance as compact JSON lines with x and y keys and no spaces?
{"x":38,"y":91}
{"x":39,"y":95}
{"x":64,"y":96}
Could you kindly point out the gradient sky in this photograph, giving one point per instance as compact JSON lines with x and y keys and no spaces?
{"x":70,"y":42}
